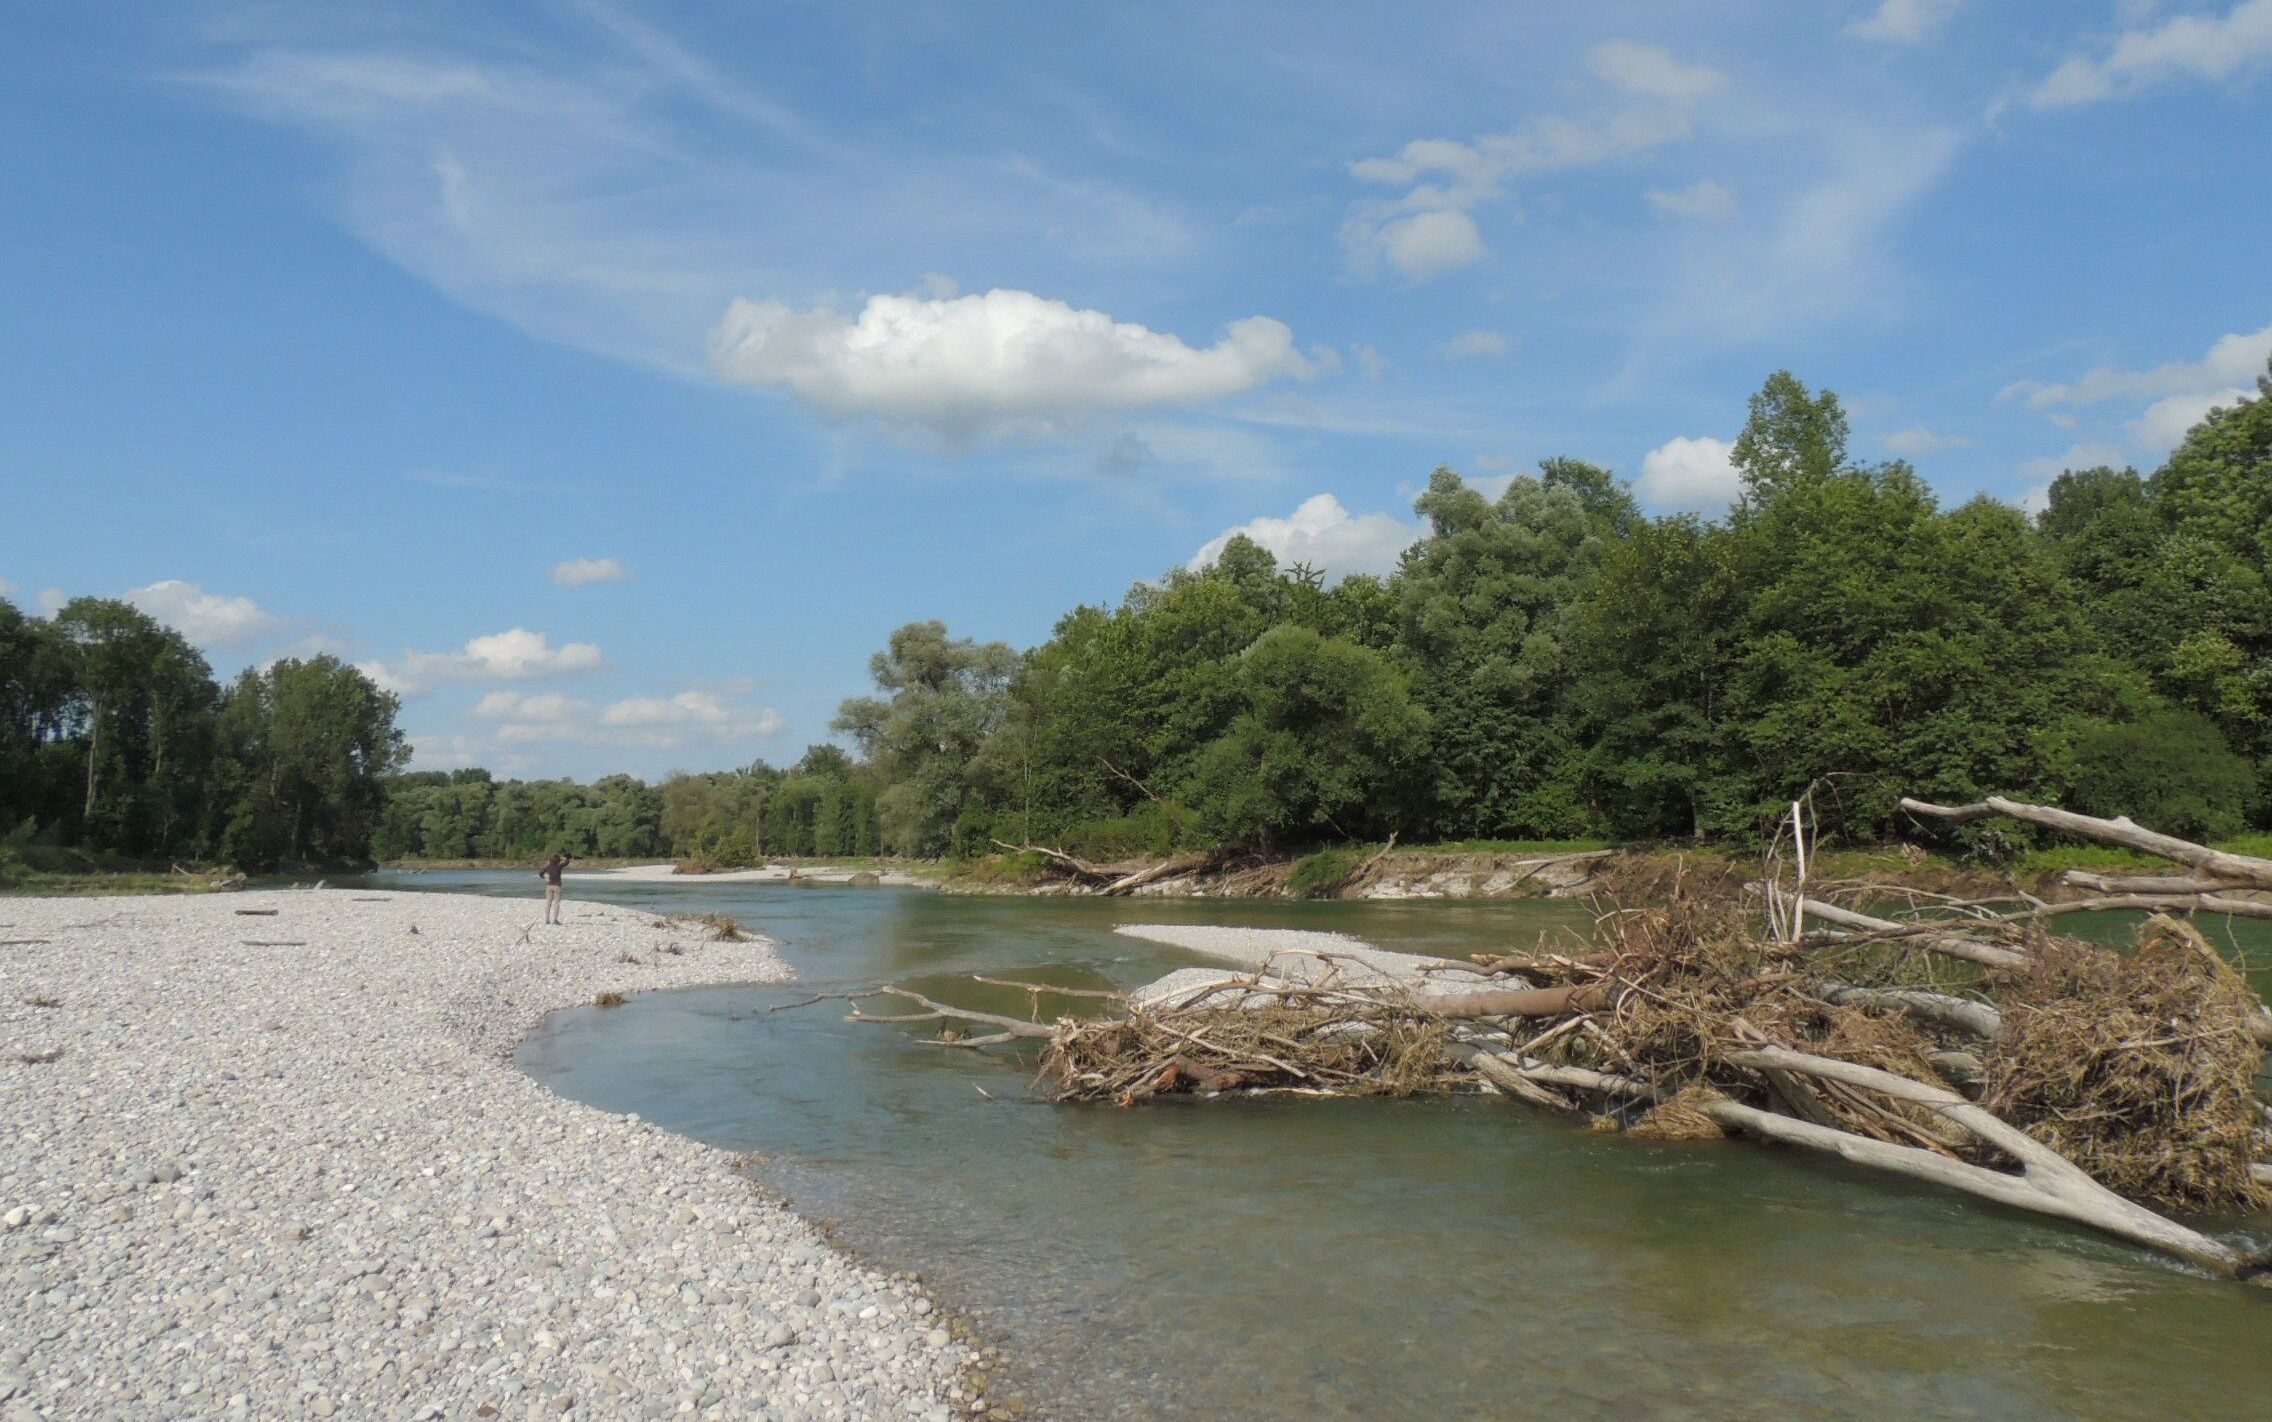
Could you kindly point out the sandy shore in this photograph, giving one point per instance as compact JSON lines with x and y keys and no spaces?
{"x":281,"y":1166}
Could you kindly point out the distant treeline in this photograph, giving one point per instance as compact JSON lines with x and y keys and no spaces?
{"x":1545,"y":664}
{"x":823,"y":805}
{"x":1551,"y":664}
{"x":114,"y":738}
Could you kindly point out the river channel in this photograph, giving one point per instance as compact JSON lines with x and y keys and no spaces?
{"x":1284,"y":1259}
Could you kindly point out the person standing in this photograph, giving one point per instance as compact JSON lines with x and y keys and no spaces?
{"x":550,"y":873}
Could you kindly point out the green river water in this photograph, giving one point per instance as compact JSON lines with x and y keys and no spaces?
{"x":1285,"y":1259}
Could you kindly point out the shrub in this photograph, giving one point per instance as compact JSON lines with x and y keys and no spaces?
{"x":2170,"y":771}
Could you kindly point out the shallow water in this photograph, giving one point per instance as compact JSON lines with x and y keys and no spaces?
{"x":1320,"y":1259}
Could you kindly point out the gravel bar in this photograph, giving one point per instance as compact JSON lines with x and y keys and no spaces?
{"x":279,"y":1164}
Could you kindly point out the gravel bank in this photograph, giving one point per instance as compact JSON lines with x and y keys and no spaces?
{"x":298,"y":1176}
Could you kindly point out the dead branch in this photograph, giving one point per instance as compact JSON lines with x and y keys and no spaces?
{"x":2048,"y":1182}
{"x":2231,"y":869}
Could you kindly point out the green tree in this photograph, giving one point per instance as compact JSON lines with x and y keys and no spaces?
{"x":944,"y":698}
{"x":1326,"y":741}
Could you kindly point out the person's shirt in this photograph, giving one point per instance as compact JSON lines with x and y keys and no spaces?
{"x":551,"y":870}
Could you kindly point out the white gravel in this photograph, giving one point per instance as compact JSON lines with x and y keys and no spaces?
{"x":304,"y":1180}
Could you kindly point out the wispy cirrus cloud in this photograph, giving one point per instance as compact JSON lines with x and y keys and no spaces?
{"x":2212,"y":47}
{"x":1431,"y":231}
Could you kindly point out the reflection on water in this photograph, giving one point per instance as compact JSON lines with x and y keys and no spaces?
{"x":1283,"y":1259}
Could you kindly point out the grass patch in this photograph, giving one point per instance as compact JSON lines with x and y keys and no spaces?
{"x":1321,"y":875}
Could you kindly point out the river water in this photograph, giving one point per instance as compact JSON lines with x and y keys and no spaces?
{"x":1285,"y":1259}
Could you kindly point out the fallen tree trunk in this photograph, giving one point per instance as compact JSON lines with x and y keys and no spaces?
{"x":2048,"y":1183}
{"x":2230,"y":870}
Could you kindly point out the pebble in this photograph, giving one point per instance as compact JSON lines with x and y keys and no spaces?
{"x":346,"y":1200}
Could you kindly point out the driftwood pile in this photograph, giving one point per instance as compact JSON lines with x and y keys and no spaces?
{"x":1959,"y":1043}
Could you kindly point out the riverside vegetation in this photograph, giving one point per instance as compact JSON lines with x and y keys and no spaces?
{"x":1550,"y":665}
{"x":1544,"y":665}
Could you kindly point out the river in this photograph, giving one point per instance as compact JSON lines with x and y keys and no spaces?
{"x":1285,"y":1259}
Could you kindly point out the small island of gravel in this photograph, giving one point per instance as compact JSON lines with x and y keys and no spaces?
{"x":268,"y":1157}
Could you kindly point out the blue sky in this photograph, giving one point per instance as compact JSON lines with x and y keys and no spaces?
{"x":611,"y":379}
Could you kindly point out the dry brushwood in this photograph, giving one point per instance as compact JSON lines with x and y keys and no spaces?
{"x":1965,"y":1043}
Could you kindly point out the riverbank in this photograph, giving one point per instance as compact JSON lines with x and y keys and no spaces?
{"x":269,"y":1158}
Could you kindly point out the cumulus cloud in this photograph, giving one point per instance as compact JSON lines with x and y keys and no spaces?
{"x":576,"y":572}
{"x":208,"y":619}
{"x":1474,"y":343}
{"x":1704,"y":200}
{"x":993,"y":363}
{"x":2164,"y":424}
{"x":2233,"y":360}
{"x":1919,"y":440}
{"x":653,"y":722}
{"x":515,"y":655}
{"x":2089,"y":454}
{"x":1425,"y":245}
{"x":1690,"y":475}
{"x":1906,"y":21}
{"x":1324,"y":535}
{"x":2213,"y":47}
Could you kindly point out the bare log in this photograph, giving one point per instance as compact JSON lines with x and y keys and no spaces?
{"x":2048,"y":1182}
{"x":2143,"y":883}
{"x":1934,"y":937}
{"x":1166,"y":869}
{"x":1978,"y":1018}
{"x":2215,"y":863}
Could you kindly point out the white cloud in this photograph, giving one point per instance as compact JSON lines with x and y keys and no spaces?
{"x":1429,"y":231}
{"x":2086,"y":455}
{"x":1704,"y":200}
{"x":2233,"y":360}
{"x":1427,"y":245}
{"x":1906,"y":21}
{"x":576,"y":572}
{"x":655,"y":722}
{"x":50,"y":601}
{"x":208,"y":619}
{"x":1647,"y":70}
{"x":2163,"y":425}
{"x":1689,"y":475}
{"x":516,"y":655}
{"x":1919,"y":440}
{"x":1474,"y":343}
{"x":1324,"y":535}
{"x":2213,"y":47}
{"x":997,"y":363}
{"x":2035,"y":498}
{"x":1370,"y":362}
